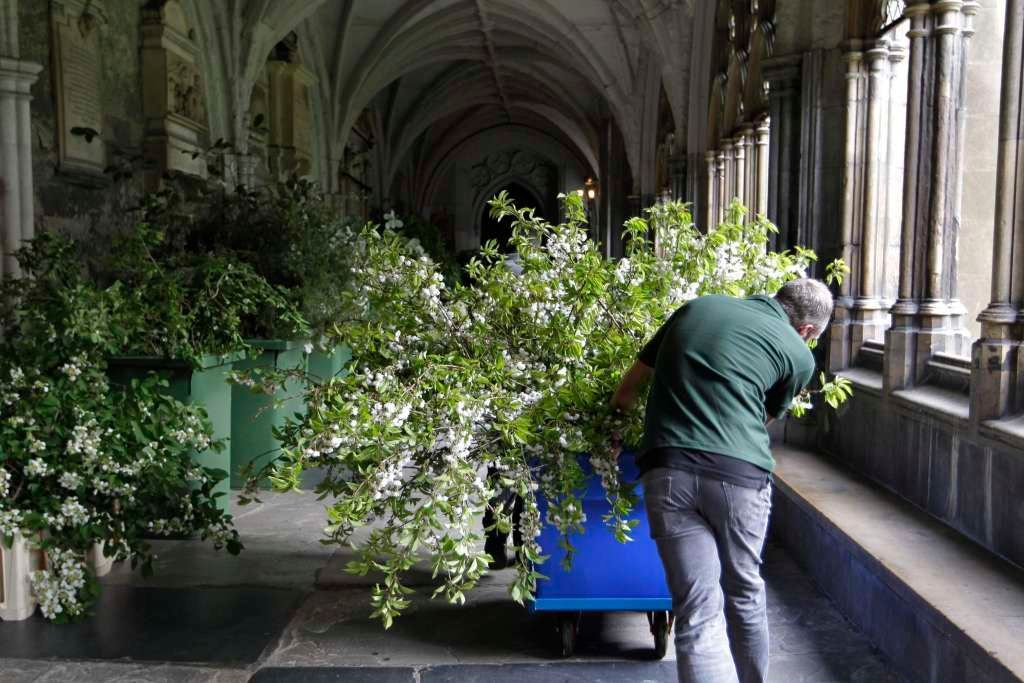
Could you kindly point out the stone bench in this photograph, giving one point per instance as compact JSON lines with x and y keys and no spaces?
{"x":938,"y":606}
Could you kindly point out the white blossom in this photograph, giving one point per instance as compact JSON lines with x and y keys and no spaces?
{"x":36,"y":467}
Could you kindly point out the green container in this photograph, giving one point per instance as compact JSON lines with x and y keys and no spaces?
{"x":255,"y":415}
{"x":205,"y":386}
{"x":323,"y":366}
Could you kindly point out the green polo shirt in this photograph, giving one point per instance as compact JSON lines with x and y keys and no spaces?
{"x":722,"y":366}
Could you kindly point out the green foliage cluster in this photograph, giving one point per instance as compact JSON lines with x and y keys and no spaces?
{"x":291,"y":236}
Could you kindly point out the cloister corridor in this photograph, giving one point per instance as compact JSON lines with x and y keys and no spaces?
{"x":278,"y":362}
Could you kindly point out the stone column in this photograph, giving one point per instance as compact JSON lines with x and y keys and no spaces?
{"x":842,"y":352}
{"x":16,"y":189}
{"x":783,"y":167}
{"x":740,"y":155}
{"x":711,"y":163}
{"x":721,"y":163}
{"x":762,"y":133}
{"x":927,"y":318}
{"x":729,"y":169}
{"x":677,"y":176}
{"x":852,"y":160}
{"x":750,"y":144}
{"x":867,"y":319}
{"x":996,"y":367}
{"x":894,"y":169}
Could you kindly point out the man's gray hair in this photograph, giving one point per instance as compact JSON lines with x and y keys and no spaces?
{"x":806,"y":302}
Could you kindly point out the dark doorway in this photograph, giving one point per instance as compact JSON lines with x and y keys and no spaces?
{"x":491,"y":229}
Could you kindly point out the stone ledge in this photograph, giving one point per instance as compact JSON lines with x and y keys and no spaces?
{"x":940,"y":607}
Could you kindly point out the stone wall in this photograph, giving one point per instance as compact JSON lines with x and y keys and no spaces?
{"x":65,"y":203}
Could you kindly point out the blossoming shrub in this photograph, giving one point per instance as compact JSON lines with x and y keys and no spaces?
{"x":457,"y":393}
{"x":83,"y":462}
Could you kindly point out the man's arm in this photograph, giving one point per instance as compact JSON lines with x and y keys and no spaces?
{"x":633,"y":381}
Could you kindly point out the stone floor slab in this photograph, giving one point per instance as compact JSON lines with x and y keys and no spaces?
{"x":35,"y":671}
{"x":375,"y":674}
{"x":212,"y":626}
{"x":591,"y":672}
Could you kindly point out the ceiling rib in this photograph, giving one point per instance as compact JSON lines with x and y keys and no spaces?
{"x":492,"y":57}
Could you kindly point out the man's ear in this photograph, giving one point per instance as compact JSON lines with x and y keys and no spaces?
{"x":807,"y":332}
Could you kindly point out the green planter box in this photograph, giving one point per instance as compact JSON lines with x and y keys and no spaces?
{"x":254,"y":415}
{"x":206,"y":386}
{"x":323,"y":366}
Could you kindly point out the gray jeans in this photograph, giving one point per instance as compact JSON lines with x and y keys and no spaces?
{"x":710,"y":535}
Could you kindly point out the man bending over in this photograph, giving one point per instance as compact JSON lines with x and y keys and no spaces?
{"x":722,"y":368}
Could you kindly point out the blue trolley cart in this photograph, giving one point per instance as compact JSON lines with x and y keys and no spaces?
{"x":606,"y":576}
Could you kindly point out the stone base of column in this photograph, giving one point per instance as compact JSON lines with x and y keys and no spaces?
{"x":914,"y":338}
{"x":900,"y":351}
{"x":839,"y":348}
{"x":996,"y":365}
{"x":855,"y":322}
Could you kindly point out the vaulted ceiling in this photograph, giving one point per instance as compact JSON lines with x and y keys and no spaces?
{"x":442,"y":70}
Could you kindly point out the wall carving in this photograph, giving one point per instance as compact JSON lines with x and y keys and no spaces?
{"x":173,"y":94}
{"x":185,"y":90}
{"x":512,"y":164}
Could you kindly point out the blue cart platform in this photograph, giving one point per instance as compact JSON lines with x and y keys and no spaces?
{"x":606,"y":576}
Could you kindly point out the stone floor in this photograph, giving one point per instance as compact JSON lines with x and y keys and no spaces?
{"x":285,"y":611}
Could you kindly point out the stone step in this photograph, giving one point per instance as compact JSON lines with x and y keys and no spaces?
{"x":940,"y":607}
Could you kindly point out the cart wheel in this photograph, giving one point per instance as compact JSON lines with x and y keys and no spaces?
{"x":567,"y":625}
{"x":661,"y":625}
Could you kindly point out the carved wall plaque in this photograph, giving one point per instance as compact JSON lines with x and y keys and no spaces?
{"x":173,"y":93}
{"x":76,"y":75}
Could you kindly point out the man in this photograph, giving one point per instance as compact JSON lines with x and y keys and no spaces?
{"x":722,"y":368}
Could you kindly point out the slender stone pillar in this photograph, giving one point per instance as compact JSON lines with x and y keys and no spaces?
{"x":867,"y":319}
{"x":740,"y":150}
{"x":893,"y":180}
{"x":677,"y":176}
{"x":851,"y":174}
{"x":723,"y":192}
{"x":762,"y":134}
{"x":842,"y":351}
{"x":711,"y":163}
{"x":783,"y":170}
{"x":996,"y":367}
{"x":750,"y":140}
{"x":927,"y":318}
{"x":16,"y":190}
{"x":729,"y":170}
{"x":899,"y":339}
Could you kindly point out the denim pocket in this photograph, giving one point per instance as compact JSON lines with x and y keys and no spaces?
{"x":749,"y":508}
{"x":658,"y":501}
